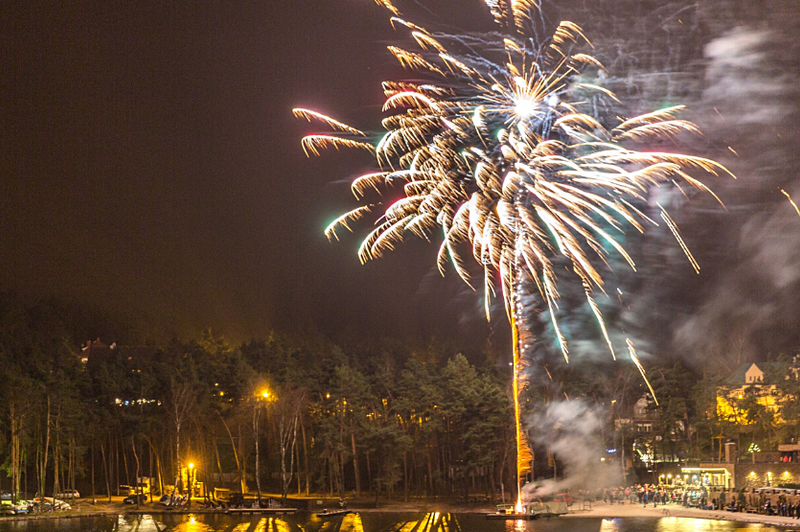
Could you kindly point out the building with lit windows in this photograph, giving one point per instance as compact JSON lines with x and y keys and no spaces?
{"x":762,"y":469}
{"x":747,"y":383}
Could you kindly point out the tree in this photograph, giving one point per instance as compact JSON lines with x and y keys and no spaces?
{"x":182,"y":397}
{"x":289,"y":404}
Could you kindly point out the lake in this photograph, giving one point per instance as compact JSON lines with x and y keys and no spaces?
{"x":370,"y":522}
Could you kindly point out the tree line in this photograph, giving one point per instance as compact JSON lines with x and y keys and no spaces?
{"x":287,"y":415}
{"x":304,"y":415}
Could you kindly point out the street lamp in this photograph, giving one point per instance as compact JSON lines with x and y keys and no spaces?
{"x":263,"y":395}
{"x":191,"y":474}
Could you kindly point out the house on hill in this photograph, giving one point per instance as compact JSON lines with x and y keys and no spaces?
{"x":650,"y":439}
{"x":752,"y":399}
{"x":749,"y":382}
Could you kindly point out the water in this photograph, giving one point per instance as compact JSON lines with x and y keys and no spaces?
{"x":371,"y":522}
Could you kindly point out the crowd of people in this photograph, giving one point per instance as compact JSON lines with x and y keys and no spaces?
{"x":783,"y":508}
{"x":699,"y":497}
{"x":643,"y":494}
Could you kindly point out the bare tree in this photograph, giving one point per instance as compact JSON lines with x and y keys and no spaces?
{"x":288,"y":419}
{"x":256,"y":415}
{"x":182,"y":398}
{"x":16,"y":421}
{"x":136,"y":456}
{"x":43,"y":452}
{"x":239,"y":469}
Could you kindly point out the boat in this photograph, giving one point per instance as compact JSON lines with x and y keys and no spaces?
{"x":331,"y":513}
{"x":531,"y":510}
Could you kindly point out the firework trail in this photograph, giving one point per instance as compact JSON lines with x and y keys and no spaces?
{"x":512,"y":156}
{"x":791,"y":201}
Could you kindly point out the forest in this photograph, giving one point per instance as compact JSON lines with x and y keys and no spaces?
{"x":303,"y":415}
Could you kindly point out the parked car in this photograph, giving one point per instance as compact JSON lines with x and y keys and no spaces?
{"x":126,"y":490}
{"x":131,"y":499}
{"x":68,"y":494}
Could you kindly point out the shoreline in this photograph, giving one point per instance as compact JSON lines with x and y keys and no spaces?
{"x":613,"y":511}
{"x":598,"y":510}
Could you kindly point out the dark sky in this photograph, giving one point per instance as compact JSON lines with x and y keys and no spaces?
{"x":150,"y":164}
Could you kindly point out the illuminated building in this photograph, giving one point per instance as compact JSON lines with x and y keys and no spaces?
{"x":748,"y":381}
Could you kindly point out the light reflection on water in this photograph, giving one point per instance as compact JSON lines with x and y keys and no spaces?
{"x":370,"y":522}
{"x":610,"y":525}
{"x":675,"y":524}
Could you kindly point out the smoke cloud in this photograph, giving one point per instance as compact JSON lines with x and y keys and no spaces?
{"x":746,"y":312}
{"x":756,"y":295}
{"x":571,"y":431}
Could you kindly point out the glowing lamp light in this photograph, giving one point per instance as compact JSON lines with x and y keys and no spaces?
{"x":265,"y":394}
{"x":191,"y":465}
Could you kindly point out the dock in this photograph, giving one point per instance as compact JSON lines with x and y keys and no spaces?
{"x":511,"y":517}
{"x":272,"y":511}
{"x":533,"y":510}
{"x":332,"y":513}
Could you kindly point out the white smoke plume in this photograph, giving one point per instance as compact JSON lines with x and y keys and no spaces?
{"x":743,"y":81}
{"x":754,"y":94}
{"x":755,"y":296}
{"x":571,"y":431}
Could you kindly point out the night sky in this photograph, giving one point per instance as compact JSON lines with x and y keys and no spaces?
{"x":151,"y":165}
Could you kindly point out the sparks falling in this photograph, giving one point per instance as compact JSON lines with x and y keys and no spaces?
{"x":513,"y":156}
{"x":797,"y":210}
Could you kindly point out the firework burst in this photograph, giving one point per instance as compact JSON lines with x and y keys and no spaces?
{"x":513,"y":158}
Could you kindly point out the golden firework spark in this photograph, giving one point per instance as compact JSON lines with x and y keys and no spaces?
{"x":638,"y":364}
{"x":791,"y":201}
